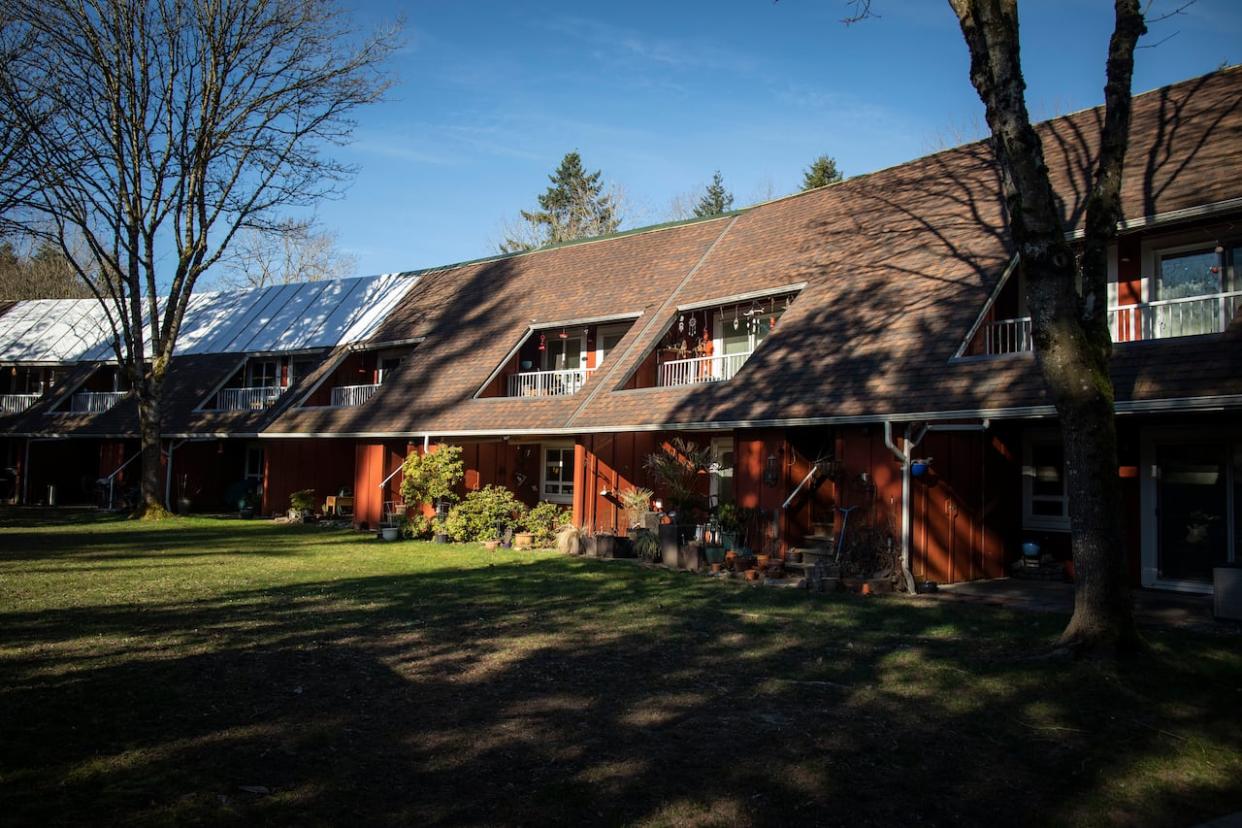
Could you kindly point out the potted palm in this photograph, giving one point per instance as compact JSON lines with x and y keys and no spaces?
{"x":679,"y":470}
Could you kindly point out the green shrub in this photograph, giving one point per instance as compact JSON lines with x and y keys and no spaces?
{"x":646,"y":545}
{"x":416,"y":526}
{"x":426,"y":478}
{"x":483,"y":514}
{"x":303,"y":501}
{"x":544,"y":520}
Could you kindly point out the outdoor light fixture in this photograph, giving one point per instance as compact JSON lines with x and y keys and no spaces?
{"x":771,"y":471}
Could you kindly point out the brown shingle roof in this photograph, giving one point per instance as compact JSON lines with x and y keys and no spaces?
{"x":897,"y":266}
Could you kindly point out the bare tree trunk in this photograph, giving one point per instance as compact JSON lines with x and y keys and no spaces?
{"x":151,"y":494}
{"x":1069,"y":321}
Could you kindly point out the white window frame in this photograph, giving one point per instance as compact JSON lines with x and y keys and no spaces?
{"x":560,"y":496}
{"x":606,"y":330}
{"x":719,"y":445}
{"x":1150,"y":440}
{"x":1030,"y":520}
{"x":1159,"y":254}
{"x":252,"y":382}
{"x":252,"y":451}
{"x":545,"y":358}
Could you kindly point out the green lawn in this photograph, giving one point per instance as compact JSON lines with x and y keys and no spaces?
{"x":154,"y":673}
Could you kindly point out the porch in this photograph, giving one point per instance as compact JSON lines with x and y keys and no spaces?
{"x":1152,"y":608}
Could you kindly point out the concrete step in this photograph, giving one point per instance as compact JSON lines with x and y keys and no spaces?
{"x":819,"y":540}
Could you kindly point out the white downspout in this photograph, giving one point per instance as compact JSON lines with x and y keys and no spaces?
{"x":904,"y":456}
{"x":168,"y":473}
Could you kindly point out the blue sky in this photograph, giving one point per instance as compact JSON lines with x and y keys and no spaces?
{"x":490,"y":95}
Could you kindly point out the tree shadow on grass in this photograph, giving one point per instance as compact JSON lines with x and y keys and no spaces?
{"x":558,"y":691}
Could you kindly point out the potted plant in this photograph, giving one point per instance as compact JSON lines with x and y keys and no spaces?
{"x":184,"y":501}
{"x":636,"y":502}
{"x":569,"y":540}
{"x":249,"y":502}
{"x":646,"y":545}
{"x":301,"y":505}
{"x":679,"y":470}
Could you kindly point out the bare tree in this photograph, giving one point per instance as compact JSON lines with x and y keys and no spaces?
{"x":159,"y":129}
{"x":292,"y":252}
{"x":1067,"y":292}
{"x":1068,"y":298}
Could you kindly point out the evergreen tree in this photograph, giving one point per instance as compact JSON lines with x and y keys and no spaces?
{"x":822,"y":172}
{"x":716,"y":199}
{"x":575,"y":206}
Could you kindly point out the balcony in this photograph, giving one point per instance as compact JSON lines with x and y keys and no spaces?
{"x":548,"y":383}
{"x":346,"y":396}
{"x":702,"y":369}
{"x":1161,"y":319}
{"x":94,"y":402}
{"x":16,"y":403}
{"x":246,"y":399}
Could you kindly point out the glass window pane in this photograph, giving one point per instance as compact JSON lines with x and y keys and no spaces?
{"x":1189,"y":274}
{"x":1048,"y":508}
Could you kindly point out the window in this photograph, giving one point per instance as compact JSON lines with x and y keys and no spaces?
{"x":263,"y":373}
{"x":721,"y":481}
{"x":558,"y":473}
{"x":1044,"y":501}
{"x":254,"y":463}
{"x":563,"y":354}
{"x":606,"y":339}
{"x":1188,"y":273}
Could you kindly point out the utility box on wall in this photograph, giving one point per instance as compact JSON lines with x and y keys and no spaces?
{"x":1227,"y":591}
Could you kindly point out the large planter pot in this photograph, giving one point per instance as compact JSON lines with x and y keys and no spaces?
{"x":183,"y":505}
{"x":440,"y":537}
{"x":606,"y":546}
{"x":692,"y":557}
{"x":390,"y":533}
{"x":523,"y":540}
{"x":714,"y":554}
{"x":589,"y":547}
{"x":246,"y":513}
{"x":669,"y":544}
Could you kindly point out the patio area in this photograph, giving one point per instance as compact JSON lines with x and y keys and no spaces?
{"x":1151,"y":607}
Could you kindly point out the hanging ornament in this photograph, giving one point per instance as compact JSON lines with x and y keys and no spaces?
{"x":787,"y":301}
{"x":564,"y":335}
{"x":694,"y":325}
{"x":543,"y":342}
{"x":772,"y":323}
{"x":681,"y":324}
{"x":735,"y":319}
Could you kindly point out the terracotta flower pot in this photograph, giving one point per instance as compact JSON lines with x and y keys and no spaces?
{"x":762,"y":561}
{"x":753,"y":574}
{"x":716,"y":568}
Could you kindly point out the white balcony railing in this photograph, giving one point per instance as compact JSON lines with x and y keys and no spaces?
{"x":16,"y":403}
{"x":351,"y":395}
{"x":1161,"y":319}
{"x":94,"y":402}
{"x":1168,"y":318}
{"x":1007,"y":336}
{"x":246,"y":399}
{"x":702,"y":369}
{"x":548,"y":383}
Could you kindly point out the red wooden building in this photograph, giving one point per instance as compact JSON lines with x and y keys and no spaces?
{"x":850,"y":329}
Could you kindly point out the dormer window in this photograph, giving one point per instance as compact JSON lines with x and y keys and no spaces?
{"x":357,"y":377}
{"x":254,"y":386}
{"x":557,"y":360}
{"x":711,"y":343}
{"x":104,"y":388}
